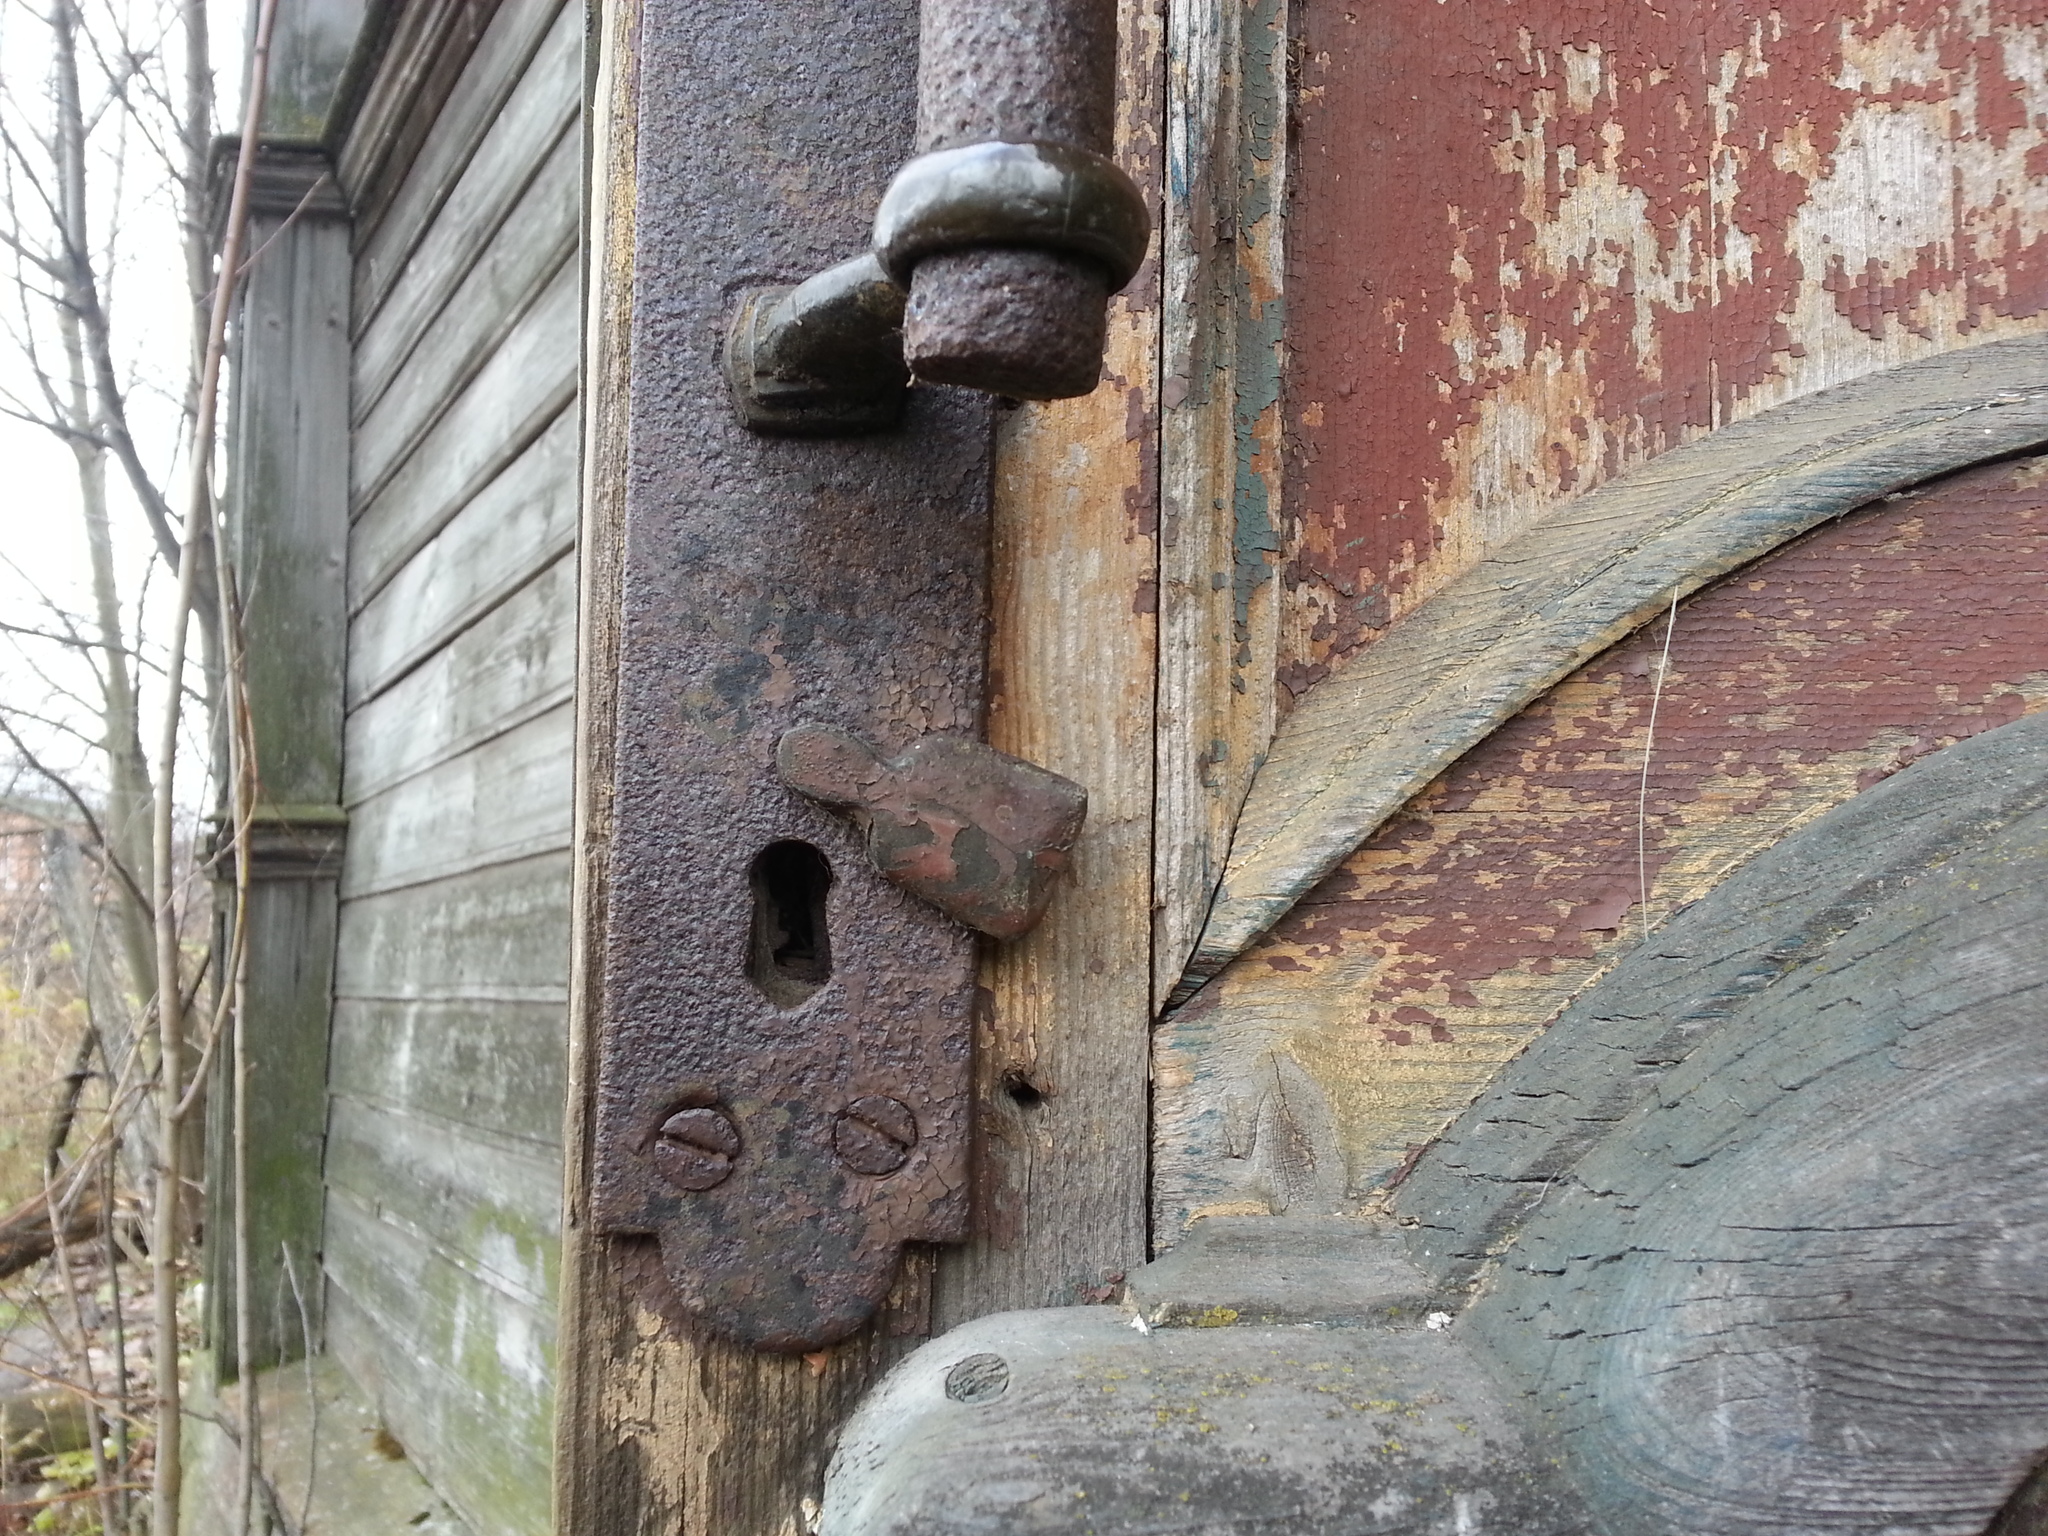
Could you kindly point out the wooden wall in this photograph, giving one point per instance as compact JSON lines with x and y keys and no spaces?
{"x":447,"y":1078}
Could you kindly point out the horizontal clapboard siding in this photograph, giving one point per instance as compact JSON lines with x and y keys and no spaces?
{"x":516,"y":661}
{"x":518,"y":524}
{"x":478,"y":245}
{"x":497,"y":415}
{"x":507,"y":799}
{"x":469,"y":1417}
{"x":492,"y":1065}
{"x":447,"y":1072}
{"x":498,"y":67}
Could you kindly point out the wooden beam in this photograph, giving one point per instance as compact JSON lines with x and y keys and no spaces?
{"x":1367,"y":738}
{"x":1220,"y":516}
{"x":660,"y":1431}
{"x":288,"y":523}
{"x":1061,"y":1060}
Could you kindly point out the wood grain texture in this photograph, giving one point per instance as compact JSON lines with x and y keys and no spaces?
{"x":407,"y":59}
{"x":522,"y":522}
{"x":602,"y":1455}
{"x":498,"y":231}
{"x":1219,"y":444}
{"x":1535,"y":245}
{"x":288,"y":456}
{"x":1560,"y":592}
{"x":494,"y":934}
{"x":1794,"y":1286}
{"x":1477,"y":1184}
{"x":422,"y":180}
{"x":1061,"y":1055}
{"x":1313,"y":1069}
{"x":288,"y":466}
{"x":507,"y":799}
{"x":1201,"y":1431}
{"x":462,"y":339}
{"x":515,"y":662}
{"x":499,"y":412}
{"x":459,"y":1372}
{"x":287,"y":999}
{"x":483,"y":1202}
{"x":494,"y":1065}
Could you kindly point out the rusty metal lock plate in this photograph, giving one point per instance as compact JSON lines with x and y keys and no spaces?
{"x":783,"y":1083}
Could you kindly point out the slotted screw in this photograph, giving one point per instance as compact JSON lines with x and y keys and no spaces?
{"x":874,"y":1134}
{"x":694,"y":1148}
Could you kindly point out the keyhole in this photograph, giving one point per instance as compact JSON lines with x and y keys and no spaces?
{"x":789,"y":954}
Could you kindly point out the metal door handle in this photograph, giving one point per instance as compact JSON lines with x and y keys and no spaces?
{"x":996,"y":250}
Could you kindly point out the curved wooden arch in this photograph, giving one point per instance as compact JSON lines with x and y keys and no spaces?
{"x":1387,"y":999}
{"x":1368,"y":738}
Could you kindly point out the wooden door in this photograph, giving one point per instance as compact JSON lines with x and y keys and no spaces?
{"x":1411,"y":693}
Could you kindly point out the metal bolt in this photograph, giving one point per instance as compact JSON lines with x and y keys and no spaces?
{"x":874,"y":1134}
{"x":694,"y":1148}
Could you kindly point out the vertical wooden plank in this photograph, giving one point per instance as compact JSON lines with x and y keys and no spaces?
{"x":599,"y":1469}
{"x":1220,"y":516}
{"x":659,"y":1432}
{"x":288,"y":511}
{"x":1061,"y":1057}
{"x":289,"y":471}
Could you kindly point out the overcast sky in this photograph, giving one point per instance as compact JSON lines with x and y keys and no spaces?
{"x":41,"y":533}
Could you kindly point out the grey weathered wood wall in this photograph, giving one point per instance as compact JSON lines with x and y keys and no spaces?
{"x":443,"y":1182}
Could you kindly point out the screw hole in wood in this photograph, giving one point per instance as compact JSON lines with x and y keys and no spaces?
{"x":1023,"y":1093}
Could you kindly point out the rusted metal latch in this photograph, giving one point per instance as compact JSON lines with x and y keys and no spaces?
{"x":979,"y":834}
{"x":804,"y":840}
{"x":993,"y":259}
{"x":785,"y":1174}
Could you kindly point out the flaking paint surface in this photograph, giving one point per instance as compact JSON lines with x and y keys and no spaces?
{"x":1370,"y":1016}
{"x":1531,"y":245}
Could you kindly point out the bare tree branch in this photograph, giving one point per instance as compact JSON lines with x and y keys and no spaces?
{"x":78,"y":804}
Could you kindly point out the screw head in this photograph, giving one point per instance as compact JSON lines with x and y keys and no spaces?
{"x":874,"y":1134}
{"x":694,"y":1148}
{"x":978,"y":1379}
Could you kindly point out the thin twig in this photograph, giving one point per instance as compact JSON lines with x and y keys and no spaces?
{"x":168,"y":1477}
{"x":95,"y":1431}
{"x":291,"y":1275}
{"x":1643,"y":786}
{"x":122,"y":1467}
{"x":235,"y":989}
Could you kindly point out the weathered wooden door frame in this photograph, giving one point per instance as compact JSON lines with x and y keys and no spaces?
{"x":653,"y":1430}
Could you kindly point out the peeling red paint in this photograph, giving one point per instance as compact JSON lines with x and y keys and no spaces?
{"x":1462,"y":926}
{"x":1533,"y":244}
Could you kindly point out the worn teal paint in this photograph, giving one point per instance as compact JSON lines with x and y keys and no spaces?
{"x":1255,"y":537}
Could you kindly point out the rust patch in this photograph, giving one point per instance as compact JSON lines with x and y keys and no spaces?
{"x":1452,"y":936}
{"x":1535,"y":244}
{"x":981,"y":835}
